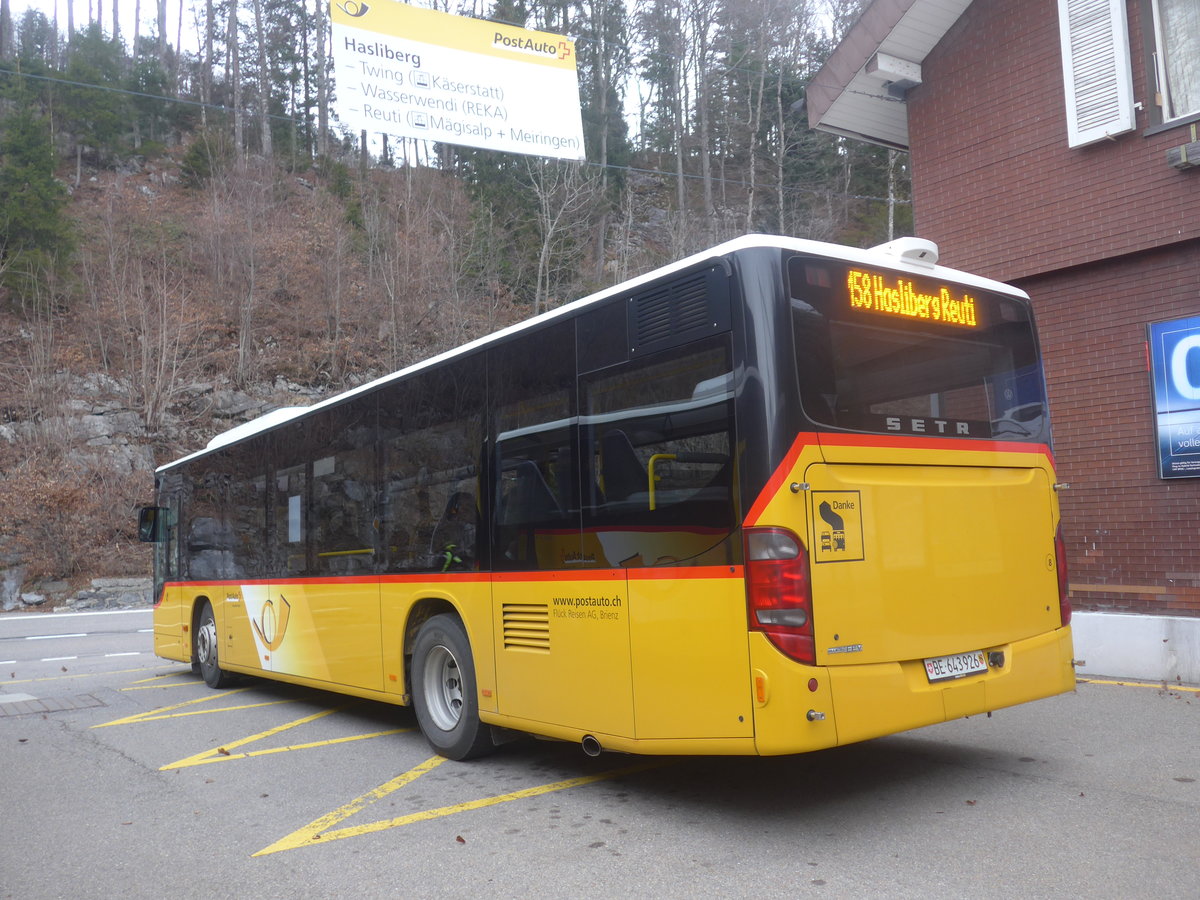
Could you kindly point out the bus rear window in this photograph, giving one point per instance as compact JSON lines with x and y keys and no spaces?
{"x":888,"y":352}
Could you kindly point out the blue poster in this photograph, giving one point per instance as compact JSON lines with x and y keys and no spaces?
{"x":1175,"y":375}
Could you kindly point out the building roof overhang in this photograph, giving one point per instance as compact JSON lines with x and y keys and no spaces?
{"x":860,"y":91}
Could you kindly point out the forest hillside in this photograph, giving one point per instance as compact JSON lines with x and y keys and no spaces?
{"x":188,"y":240}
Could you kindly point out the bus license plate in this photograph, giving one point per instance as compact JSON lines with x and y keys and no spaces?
{"x":960,"y":665}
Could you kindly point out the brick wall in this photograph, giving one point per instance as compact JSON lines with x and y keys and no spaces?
{"x":994,"y":181}
{"x":1105,"y":239}
{"x":1133,"y":539}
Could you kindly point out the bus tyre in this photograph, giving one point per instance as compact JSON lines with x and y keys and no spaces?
{"x":445,"y":696}
{"x":204,"y":653}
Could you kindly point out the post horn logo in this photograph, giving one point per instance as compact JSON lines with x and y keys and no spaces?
{"x":353,"y":9}
{"x":272,"y":625}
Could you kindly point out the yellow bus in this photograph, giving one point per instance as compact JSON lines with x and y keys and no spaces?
{"x":778,"y":496}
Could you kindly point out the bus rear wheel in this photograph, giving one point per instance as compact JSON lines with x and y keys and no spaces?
{"x":445,"y":696}
{"x":204,"y":650}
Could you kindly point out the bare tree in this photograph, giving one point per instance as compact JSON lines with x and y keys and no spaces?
{"x":6,"y":30}
{"x":322,"y":81}
{"x":564,"y":192}
{"x":162,"y":32}
{"x":264,"y":80}
{"x":145,"y":331}
{"x":206,"y":80}
{"x":698,"y":20}
{"x":233,"y":77}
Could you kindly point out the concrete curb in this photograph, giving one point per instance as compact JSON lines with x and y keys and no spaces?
{"x":1147,"y":648}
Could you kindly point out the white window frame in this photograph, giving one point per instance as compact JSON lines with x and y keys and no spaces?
{"x":1162,"y":92}
{"x":1097,"y":71}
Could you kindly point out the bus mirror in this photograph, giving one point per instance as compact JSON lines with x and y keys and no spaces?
{"x":152,"y":524}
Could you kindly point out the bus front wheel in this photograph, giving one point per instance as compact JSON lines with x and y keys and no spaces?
{"x":204,"y":650}
{"x":444,"y":692}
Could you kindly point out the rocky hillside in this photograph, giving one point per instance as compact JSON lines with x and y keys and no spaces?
{"x":188,"y":310}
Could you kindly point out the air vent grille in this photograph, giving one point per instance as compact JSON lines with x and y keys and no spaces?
{"x":653,"y":316}
{"x":526,"y":626}
{"x":691,"y":307}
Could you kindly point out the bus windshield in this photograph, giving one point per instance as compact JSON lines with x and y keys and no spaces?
{"x":885,"y":352}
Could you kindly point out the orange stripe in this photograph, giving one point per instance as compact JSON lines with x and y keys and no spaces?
{"x":881,"y":441}
{"x":426,"y":577}
{"x":647,"y":574}
{"x":559,"y":575}
{"x":194,"y":584}
{"x":779,"y":476}
{"x":668,"y":573}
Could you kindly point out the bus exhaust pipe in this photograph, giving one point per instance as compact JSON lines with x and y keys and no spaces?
{"x":591,"y":746}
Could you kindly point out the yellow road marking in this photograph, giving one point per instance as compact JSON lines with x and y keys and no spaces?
{"x":223,"y":754}
{"x":194,"y":680}
{"x":1157,"y":685}
{"x":168,"y":712}
{"x":151,"y":716}
{"x":315,"y":831}
{"x":207,"y":757}
{"x":163,"y":685}
{"x":70,"y":677}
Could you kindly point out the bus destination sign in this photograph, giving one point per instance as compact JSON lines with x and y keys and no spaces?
{"x":895,"y":295}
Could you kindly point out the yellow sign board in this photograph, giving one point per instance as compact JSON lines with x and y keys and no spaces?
{"x":837,"y":526}
{"x":433,"y":76}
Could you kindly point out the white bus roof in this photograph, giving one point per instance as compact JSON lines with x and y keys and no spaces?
{"x":887,"y":255}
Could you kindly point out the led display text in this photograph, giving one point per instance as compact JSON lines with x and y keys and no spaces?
{"x":897,"y":296}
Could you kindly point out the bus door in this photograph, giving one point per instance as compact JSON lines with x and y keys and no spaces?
{"x":321,"y":619}
{"x":562,"y":649}
{"x":169,"y":636}
{"x":660,"y":475}
{"x":690,"y":658}
{"x":242,"y":561}
{"x":561,"y":616}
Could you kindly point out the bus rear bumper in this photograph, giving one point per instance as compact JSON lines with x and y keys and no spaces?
{"x":869,"y":701}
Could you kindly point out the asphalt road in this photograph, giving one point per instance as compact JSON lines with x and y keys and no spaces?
{"x":124,"y":776}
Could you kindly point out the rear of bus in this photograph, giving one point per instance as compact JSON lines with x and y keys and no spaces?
{"x":903,"y":563}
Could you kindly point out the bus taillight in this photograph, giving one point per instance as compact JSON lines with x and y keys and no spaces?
{"x":779,"y":592}
{"x":1060,"y":563}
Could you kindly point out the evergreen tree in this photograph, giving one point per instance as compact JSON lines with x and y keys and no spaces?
{"x":35,"y":235}
{"x":36,"y":42}
{"x":97,"y":117}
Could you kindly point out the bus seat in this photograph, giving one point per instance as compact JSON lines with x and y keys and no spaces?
{"x":456,"y":526}
{"x":622,"y":471}
{"x":530,"y":498}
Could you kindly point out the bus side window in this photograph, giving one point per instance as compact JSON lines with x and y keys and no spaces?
{"x":454,"y":535}
{"x":341,"y":525}
{"x":431,"y":432}
{"x":536,"y":486}
{"x":661,"y":449}
{"x":622,"y":473}
{"x":525,"y":497}
{"x":208,"y":537}
{"x":245,"y":507}
{"x":290,"y":520}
